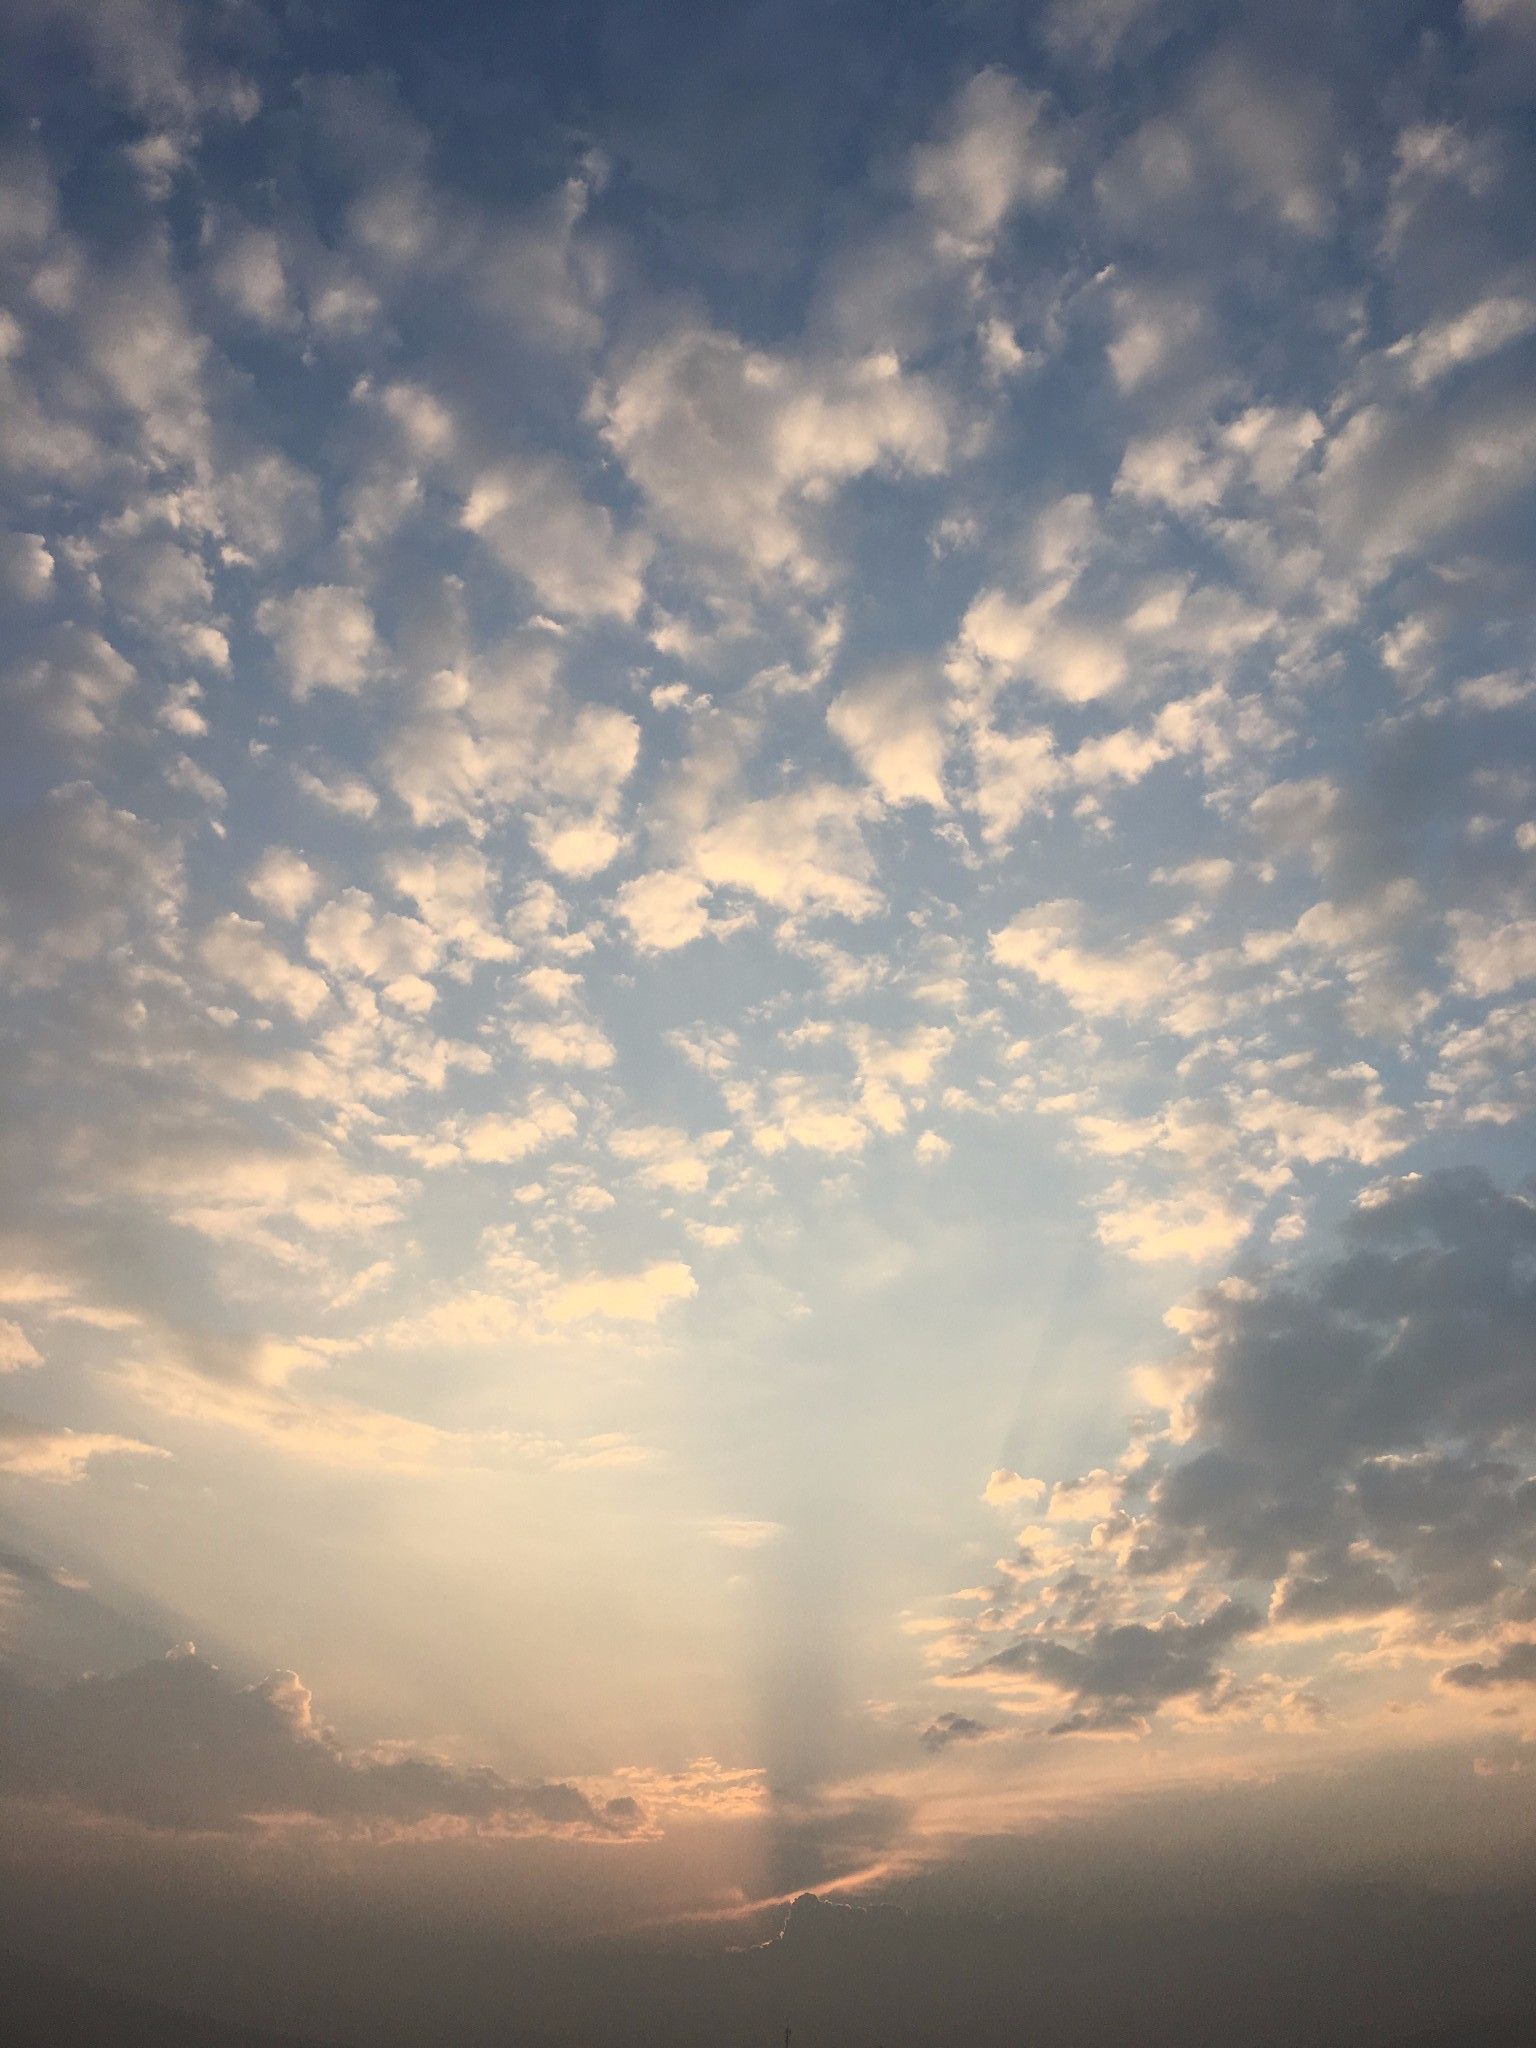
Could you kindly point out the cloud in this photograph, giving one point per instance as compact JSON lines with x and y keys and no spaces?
{"x":1514,"y":1665}
{"x":73,"y":685}
{"x":665,"y":1157}
{"x":79,"y":875}
{"x":534,"y":520}
{"x":1099,"y":981}
{"x":664,"y":909}
{"x":1123,"y":1672}
{"x":29,"y":1450}
{"x":501,"y":730}
{"x":17,"y":1351}
{"x":237,"y":950}
{"x":733,"y":447}
{"x":1346,"y":1452}
{"x":1005,"y":1487}
{"x":993,"y":156}
{"x":803,"y":851}
{"x":351,"y":936}
{"x":176,"y":1745}
{"x":243,"y":1387}
{"x":282,"y":882}
{"x":641,"y":1297}
{"x":324,"y":638}
{"x":948,"y":1729}
{"x":499,"y":1138}
{"x":1482,"y":330}
{"x":890,"y":722}
{"x":1398,"y":479}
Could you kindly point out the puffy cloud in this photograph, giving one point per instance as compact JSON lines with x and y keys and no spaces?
{"x":348,"y":795}
{"x":803,"y":851}
{"x":73,"y":687}
{"x":1011,"y":638}
{"x":1100,"y":981}
{"x":499,"y":1138}
{"x":664,"y":909}
{"x":1005,"y":1487}
{"x":350,"y":935}
{"x":26,"y":566}
{"x":890,"y":721}
{"x":1492,"y":955}
{"x":734,"y":447}
{"x":452,"y":888}
{"x":1349,"y":1451}
{"x":238,"y":951}
{"x":324,"y":638}
{"x":1383,"y":1403}
{"x":79,"y":875}
{"x":16,"y":1348}
{"x":1123,"y":1672}
{"x":994,"y":155}
{"x":568,"y":1040}
{"x":664,"y":1157}
{"x":502,"y":731}
{"x":283,"y":882}
{"x":248,"y":273}
{"x":534,"y":520}
{"x":1199,"y":1224}
{"x":1514,"y":1665}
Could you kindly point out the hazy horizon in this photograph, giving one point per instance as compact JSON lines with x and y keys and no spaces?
{"x":768,"y":920}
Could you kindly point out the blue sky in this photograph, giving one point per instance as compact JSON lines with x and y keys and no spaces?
{"x":768,"y":894}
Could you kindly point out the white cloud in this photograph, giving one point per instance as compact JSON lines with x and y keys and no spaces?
{"x":1006,"y":1488}
{"x":248,"y":273}
{"x":665,"y":1157}
{"x":500,"y":1138}
{"x":664,"y":909}
{"x":568,"y":1041}
{"x":993,"y":156}
{"x":532,"y":517}
{"x":1467,"y":337}
{"x":282,"y":882}
{"x":803,"y":851}
{"x":324,"y":638}
{"x":891,"y":722}
{"x":642,"y":1297}
{"x":350,"y":935}
{"x":1100,"y":981}
{"x":238,"y":951}
{"x":734,"y":447}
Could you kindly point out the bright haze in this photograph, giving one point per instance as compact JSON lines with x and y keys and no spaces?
{"x":768,"y":922}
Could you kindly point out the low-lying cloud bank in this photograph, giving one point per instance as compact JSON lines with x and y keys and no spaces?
{"x":176,"y":1744}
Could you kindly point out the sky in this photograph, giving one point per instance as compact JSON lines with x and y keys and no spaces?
{"x":768,"y":921}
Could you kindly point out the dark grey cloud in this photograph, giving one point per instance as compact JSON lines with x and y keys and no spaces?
{"x":1374,"y":1419}
{"x":176,"y":1744}
{"x":952,"y":1728}
{"x":1515,"y":1665}
{"x":1124,"y":1672}
{"x":1361,"y":1442}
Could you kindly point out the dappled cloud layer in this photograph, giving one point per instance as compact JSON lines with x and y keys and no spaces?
{"x":709,"y":831}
